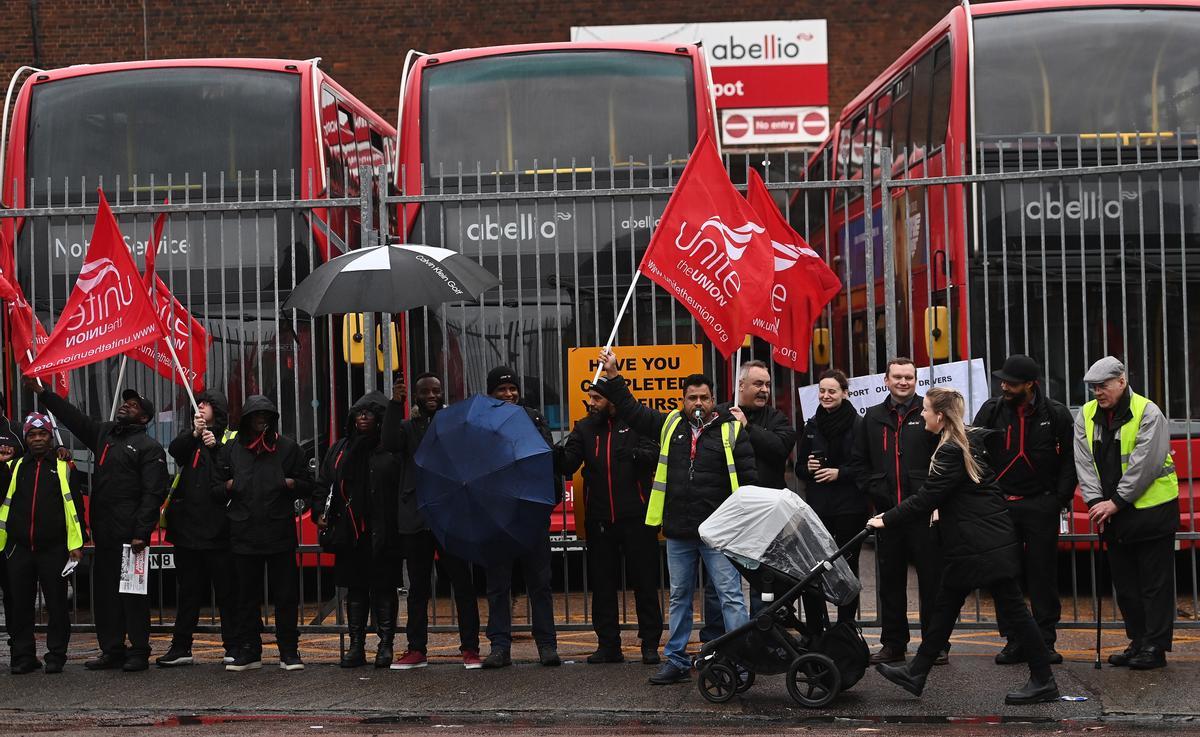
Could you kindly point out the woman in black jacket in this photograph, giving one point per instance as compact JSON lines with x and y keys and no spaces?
{"x":980,"y":549}
{"x":824,"y":454}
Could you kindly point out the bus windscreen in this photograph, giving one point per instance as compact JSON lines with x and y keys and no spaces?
{"x":227,"y":131}
{"x":530,"y":113}
{"x":1116,"y":73}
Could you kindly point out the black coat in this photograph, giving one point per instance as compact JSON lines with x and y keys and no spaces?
{"x":695,"y":488}
{"x":363,"y":507}
{"x":129,"y":477}
{"x":891,"y":453}
{"x":402,"y":437}
{"x":773,"y":438}
{"x":1032,"y":450}
{"x":979,"y":542}
{"x":618,"y":467}
{"x":837,"y":498}
{"x":196,"y":516}
{"x":261,"y":511}
{"x":36,"y":518}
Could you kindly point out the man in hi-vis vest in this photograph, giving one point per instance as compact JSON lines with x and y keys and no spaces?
{"x":1127,"y":478}
{"x":41,"y":529}
{"x":704,"y":456}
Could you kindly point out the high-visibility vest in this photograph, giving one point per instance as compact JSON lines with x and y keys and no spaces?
{"x":74,"y":530}
{"x":1166,"y":486}
{"x":162,"y":512}
{"x":658,"y":490}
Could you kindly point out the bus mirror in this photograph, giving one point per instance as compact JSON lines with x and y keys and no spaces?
{"x":353,"y":347}
{"x":820,"y":346}
{"x":937,"y":333}
{"x":395,"y":351}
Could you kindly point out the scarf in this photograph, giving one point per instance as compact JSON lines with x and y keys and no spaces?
{"x":834,"y":425}
{"x":265,"y":443}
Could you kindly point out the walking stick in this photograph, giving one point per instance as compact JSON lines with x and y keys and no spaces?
{"x":1097,"y":547}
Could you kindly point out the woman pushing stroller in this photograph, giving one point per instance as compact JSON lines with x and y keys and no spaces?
{"x":980,"y":548}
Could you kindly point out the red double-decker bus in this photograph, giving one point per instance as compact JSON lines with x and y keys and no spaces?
{"x":1066,"y":269}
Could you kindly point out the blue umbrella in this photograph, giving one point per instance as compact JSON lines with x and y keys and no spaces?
{"x":485,"y":480}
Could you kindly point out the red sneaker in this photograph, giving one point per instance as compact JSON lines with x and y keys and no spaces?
{"x":471,"y":660}
{"x":410,"y":659}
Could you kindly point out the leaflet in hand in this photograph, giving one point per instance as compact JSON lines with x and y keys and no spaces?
{"x":135,"y":570}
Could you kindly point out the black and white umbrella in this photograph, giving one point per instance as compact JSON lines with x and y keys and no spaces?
{"x":392,"y":278}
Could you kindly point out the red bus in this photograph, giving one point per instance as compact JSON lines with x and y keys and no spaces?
{"x":199,"y":131}
{"x":561,"y":117}
{"x":1065,"y":269}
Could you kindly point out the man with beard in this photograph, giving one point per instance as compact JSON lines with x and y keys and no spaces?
{"x":263,"y":474}
{"x":416,"y":545}
{"x":355,"y":508}
{"x":1030,"y":445}
{"x":41,"y":529}
{"x":199,"y":530}
{"x":129,"y":484}
{"x":618,"y":468}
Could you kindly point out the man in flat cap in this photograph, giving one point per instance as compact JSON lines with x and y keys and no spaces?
{"x":1127,"y":478}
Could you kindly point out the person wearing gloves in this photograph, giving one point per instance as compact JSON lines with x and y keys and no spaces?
{"x":41,"y":529}
{"x":263,"y":474}
{"x":199,"y":530}
{"x":129,"y":484}
{"x":980,"y":549}
{"x":355,"y":508}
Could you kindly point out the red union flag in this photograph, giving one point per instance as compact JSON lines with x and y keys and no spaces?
{"x":26,"y":333}
{"x":108,"y":312}
{"x":710,"y":251}
{"x":803,"y":285}
{"x":188,"y":337}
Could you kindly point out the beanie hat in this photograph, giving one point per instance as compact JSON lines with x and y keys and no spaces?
{"x":501,"y":375}
{"x":38,"y":421}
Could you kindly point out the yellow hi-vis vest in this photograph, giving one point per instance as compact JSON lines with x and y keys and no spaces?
{"x":162,"y":512}
{"x":1166,"y":486}
{"x":74,"y":530}
{"x":658,"y":490}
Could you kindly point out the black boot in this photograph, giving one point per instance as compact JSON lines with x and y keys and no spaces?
{"x":385,"y":626}
{"x":357,"y":607}
{"x":1034,"y":692}
{"x":904,"y":677}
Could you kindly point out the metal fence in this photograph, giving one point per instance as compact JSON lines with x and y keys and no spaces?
{"x":1066,"y":260}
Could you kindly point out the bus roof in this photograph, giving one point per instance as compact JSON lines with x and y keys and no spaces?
{"x":484,"y":51}
{"x":80,"y":70}
{"x":1005,"y":7}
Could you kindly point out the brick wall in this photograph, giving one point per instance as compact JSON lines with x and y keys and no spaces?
{"x":363,"y":43}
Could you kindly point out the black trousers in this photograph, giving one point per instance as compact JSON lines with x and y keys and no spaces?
{"x":896,"y":547}
{"x":1006,"y":593}
{"x":202,"y":573}
{"x":536,"y":568}
{"x":608,"y":544}
{"x":418,"y":549}
{"x":6,"y":595}
{"x":1143,"y":573}
{"x":843,"y":528}
{"x":1036,"y":521}
{"x":118,"y":616}
{"x":27,"y":570}
{"x":283,"y":580}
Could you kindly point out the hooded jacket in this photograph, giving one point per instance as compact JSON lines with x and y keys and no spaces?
{"x":196,"y":516}
{"x":129,"y":476}
{"x":361,"y":501}
{"x":891,"y":454}
{"x":36,"y":518}
{"x":697,"y":485}
{"x":1031,"y":447}
{"x":618,"y":467}
{"x":261,"y":508}
{"x":773,"y":438}
{"x":979,"y":542}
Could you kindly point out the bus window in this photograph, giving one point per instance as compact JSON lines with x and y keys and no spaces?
{"x":350,"y":156}
{"x":918,"y":138}
{"x":858,"y":145}
{"x":881,"y":127}
{"x":331,"y":140}
{"x":843,"y":157}
{"x":901,"y":105}
{"x":940,"y":117}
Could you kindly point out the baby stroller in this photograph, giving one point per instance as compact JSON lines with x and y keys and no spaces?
{"x":779,"y":545}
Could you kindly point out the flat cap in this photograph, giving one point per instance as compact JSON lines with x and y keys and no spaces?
{"x":1103,"y":370}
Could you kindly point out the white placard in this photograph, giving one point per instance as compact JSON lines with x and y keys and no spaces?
{"x":135,"y":569}
{"x":968,"y":377}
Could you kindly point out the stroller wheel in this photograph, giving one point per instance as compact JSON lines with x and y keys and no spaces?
{"x":718,"y":683}
{"x":745,"y":679}
{"x":813,"y":680}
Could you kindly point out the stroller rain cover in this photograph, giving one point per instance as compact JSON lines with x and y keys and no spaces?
{"x":775,"y":527}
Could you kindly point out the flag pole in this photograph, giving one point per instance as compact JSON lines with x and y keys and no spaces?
{"x":187,"y":385}
{"x":617,"y":322}
{"x":112,"y":414}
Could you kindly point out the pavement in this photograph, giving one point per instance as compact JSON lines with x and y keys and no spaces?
{"x":968,"y":690}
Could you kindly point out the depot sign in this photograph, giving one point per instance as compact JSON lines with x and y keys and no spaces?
{"x":770,"y":78}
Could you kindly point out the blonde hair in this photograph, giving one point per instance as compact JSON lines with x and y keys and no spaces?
{"x":951,"y":406}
